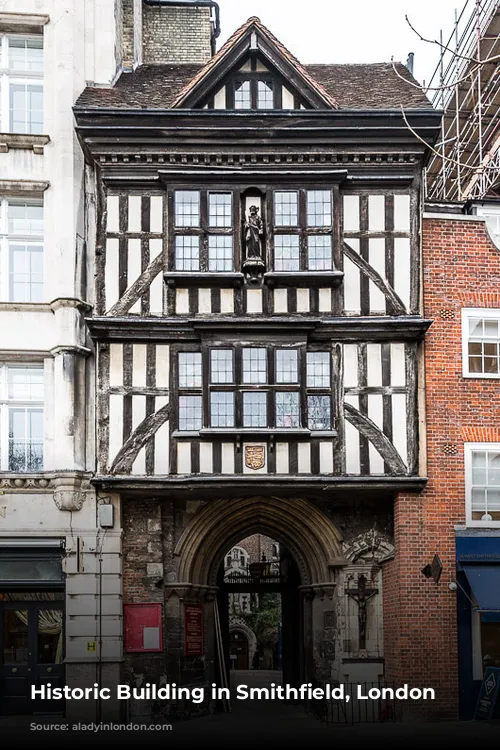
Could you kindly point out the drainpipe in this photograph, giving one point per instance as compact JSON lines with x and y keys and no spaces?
{"x":196,"y":4}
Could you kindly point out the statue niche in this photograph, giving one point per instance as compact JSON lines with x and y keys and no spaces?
{"x":253,"y":264}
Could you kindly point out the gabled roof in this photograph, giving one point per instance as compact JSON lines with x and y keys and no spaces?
{"x":243,"y":39}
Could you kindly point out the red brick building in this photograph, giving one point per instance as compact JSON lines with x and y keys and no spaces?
{"x":457,"y":516}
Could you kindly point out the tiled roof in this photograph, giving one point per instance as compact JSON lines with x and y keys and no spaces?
{"x":346,"y":86}
{"x":255,"y":24}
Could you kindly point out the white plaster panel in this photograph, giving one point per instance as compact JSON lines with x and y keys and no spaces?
{"x":183,"y":458}
{"x":376,"y":213}
{"x":288,"y":99}
{"x":376,"y":258}
{"x":134,"y":269}
{"x":401,"y":213}
{"x":156,"y":220}
{"x":113,"y":223}
{"x":303,"y":300}
{"x":38,"y":514}
{"x":351,"y":213}
{"x":220,"y":99}
{"x":134,"y":213}
{"x":326,"y":456}
{"x":162,"y":366}
{"x":399,"y":418}
{"x":115,"y":425}
{"x":156,"y":295}
{"x":204,"y":301}
{"x":111,"y":273}
{"x":110,"y":564}
{"x":350,"y":365}
{"x":281,"y":300}
{"x":282,"y":458}
{"x":325,"y":300}
{"x":182,"y":302}
{"x":402,"y":269}
{"x":352,"y":281}
{"x":254,"y":301}
{"x":162,"y":439}
{"x":227,"y":460}
{"x":138,"y":414}
{"x":227,"y":301}
{"x":398,"y":365}
{"x":374,"y":364}
{"x":304,"y":458}
{"x":116,"y":365}
{"x":139,"y":357}
{"x":376,"y":414}
{"x":206,"y":458}
{"x":352,"y":440}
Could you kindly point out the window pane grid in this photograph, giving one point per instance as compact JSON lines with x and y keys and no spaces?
{"x":319,"y":412}
{"x":286,"y":252}
{"x":286,"y":366}
{"x":265,"y":95}
{"x":25,"y":55}
{"x":25,"y":219}
{"x":222,"y":409}
{"x":187,"y":208}
{"x":255,"y":410}
{"x":220,"y":210}
{"x":485,"y":495}
{"x":287,"y":409}
{"x":255,"y":366}
{"x":220,"y":253}
{"x":286,"y":209}
{"x":187,"y":253}
{"x":190,"y":370}
{"x":26,"y":273}
{"x":242,"y":95}
{"x":484,"y":346}
{"x":25,"y":384}
{"x":190,"y":413}
{"x":318,"y":370}
{"x":319,"y":253}
{"x":319,"y":208}
{"x":221,"y":366}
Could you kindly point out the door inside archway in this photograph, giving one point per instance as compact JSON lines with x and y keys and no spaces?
{"x":238,"y":650}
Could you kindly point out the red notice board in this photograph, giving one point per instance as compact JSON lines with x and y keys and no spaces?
{"x":194,"y":639}
{"x":143,"y":628}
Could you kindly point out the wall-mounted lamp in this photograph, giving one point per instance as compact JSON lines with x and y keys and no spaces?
{"x":433,"y":570}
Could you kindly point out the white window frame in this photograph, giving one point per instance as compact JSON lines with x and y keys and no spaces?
{"x":467,"y":314}
{"x":469,"y":448}
{"x":6,"y":238}
{"x":23,"y":77}
{"x":6,"y":404}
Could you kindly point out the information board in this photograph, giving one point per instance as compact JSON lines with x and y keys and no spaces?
{"x":194,"y":644}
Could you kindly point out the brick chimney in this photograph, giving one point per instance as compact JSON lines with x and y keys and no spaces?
{"x":153,"y":32}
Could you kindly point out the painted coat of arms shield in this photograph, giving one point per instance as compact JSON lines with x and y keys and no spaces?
{"x":255,"y":457}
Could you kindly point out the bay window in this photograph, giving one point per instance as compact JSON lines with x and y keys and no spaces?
{"x":255,"y":388}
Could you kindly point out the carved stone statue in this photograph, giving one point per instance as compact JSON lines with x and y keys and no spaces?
{"x":254,"y":230}
{"x":254,"y":265}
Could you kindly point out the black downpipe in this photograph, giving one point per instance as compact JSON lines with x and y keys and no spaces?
{"x":199,"y":4}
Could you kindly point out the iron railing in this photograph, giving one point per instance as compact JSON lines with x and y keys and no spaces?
{"x":356,"y":710}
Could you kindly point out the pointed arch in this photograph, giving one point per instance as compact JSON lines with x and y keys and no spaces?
{"x":300,"y":526}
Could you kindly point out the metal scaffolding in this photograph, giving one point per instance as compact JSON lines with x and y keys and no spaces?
{"x":466,"y":87}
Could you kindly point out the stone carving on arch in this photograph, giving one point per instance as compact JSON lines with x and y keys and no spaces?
{"x":300,"y":526}
{"x":370,"y":548}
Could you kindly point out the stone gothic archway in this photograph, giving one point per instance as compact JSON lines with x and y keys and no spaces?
{"x":299,"y":525}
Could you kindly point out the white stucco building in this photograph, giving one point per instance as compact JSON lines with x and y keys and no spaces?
{"x":55,"y":555}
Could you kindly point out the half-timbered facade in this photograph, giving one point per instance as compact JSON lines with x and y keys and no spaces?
{"x":258,"y":329}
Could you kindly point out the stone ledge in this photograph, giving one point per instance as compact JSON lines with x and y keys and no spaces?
{"x":23,"y":23}
{"x":35,"y":143}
